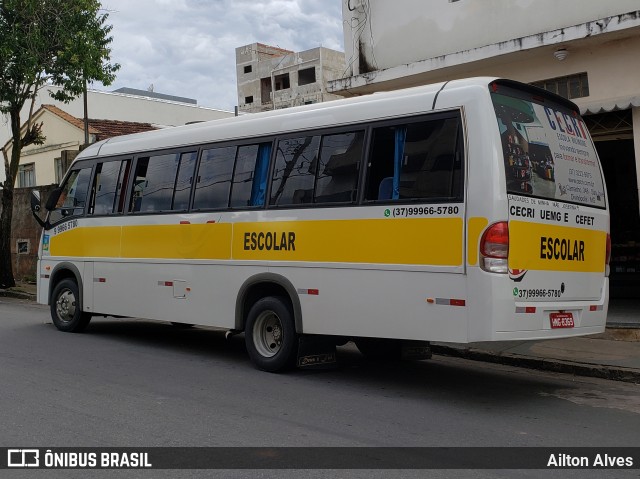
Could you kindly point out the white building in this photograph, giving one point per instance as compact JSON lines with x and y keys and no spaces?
{"x":158,"y":110}
{"x":47,"y":163}
{"x":269,"y":77}
{"x":584,"y":50}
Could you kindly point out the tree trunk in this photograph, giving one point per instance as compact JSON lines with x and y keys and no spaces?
{"x":6,"y":267}
{"x":11,"y":169}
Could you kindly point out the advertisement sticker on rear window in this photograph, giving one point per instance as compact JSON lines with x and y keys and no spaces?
{"x":548,"y":152}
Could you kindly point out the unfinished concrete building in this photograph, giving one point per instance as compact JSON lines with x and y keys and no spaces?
{"x":270,"y":77}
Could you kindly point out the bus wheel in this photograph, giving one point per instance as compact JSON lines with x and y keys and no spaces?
{"x":379,"y":349}
{"x":66,"y":309}
{"x":270,"y":335}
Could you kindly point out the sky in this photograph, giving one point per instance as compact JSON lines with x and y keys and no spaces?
{"x":187,"y":47}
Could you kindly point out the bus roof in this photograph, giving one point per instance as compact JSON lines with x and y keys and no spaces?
{"x":382,"y":105}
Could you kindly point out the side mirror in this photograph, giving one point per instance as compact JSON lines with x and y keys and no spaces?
{"x":35,"y":206}
{"x":35,"y":201}
{"x":53,"y":199}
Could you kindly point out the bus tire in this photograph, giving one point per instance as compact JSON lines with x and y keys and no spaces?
{"x":270,"y":334}
{"x":380,"y":349}
{"x":66,"y":308}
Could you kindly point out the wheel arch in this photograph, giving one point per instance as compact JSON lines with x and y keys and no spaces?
{"x":260,"y":286}
{"x":62,"y":271}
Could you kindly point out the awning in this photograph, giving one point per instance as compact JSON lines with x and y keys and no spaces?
{"x":607,"y":105}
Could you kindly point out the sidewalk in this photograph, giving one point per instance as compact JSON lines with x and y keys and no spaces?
{"x":21,"y":291}
{"x":615,"y":354}
{"x":599,"y":356}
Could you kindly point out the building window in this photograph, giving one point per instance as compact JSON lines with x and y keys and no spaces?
{"x":59,"y":169}
{"x":22,"y":246}
{"x":265,"y":90}
{"x":27,"y":175}
{"x":61,"y":165}
{"x":610,"y":126}
{"x":282,"y":82}
{"x":248,"y":99}
{"x":572,"y":86}
{"x":307,"y":76}
{"x":247,"y":69}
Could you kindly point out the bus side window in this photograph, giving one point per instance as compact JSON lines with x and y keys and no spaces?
{"x":250,"y":175}
{"x":339,"y":164}
{"x":154,"y":182}
{"x":213,"y":182}
{"x":73,"y":197}
{"x":415,"y":161}
{"x":184,"y":180}
{"x":121,"y":189}
{"x":295,"y":170}
{"x":431,"y":167}
{"x":105,"y":186}
{"x":380,"y":173}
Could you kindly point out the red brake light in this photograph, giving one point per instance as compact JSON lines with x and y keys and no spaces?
{"x":494,"y":248}
{"x":495,"y":241}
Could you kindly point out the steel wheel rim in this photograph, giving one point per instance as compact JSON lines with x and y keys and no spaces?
{"x":66,"y":306}
{"x":268,"y":334}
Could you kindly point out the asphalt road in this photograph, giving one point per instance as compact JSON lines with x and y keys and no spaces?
{"x":133,"y":383}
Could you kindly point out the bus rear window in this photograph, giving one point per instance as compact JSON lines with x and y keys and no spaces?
{"x":548,"y":152}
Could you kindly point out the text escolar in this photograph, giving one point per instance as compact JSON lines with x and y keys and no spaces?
{"x":565,"y":249}
{"x":270,"y":241}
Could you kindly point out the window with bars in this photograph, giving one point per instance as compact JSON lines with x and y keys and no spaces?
{"x":571,"y":86}
{"x":611,"y":125}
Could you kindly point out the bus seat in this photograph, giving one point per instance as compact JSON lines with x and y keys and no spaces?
{"x":302,"y":196}
{"x":385,"y":190}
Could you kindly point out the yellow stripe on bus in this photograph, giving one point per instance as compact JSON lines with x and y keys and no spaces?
{"x":423,"y":241}
{"x":201,"y":241}
{"x":82,"y":242}
{"x":420,"y":241}
{"x":544,"y":247}
{"x":476,"y":226}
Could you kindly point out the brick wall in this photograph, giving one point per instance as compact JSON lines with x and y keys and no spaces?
{"x":25,"y":232}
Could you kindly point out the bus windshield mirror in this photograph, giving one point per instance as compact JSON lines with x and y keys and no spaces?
{"x":53,"y":199}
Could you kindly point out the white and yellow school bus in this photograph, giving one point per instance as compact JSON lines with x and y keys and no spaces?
{"x":472,"y":210}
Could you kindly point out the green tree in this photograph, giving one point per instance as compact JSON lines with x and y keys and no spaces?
{"x":59,"y":42}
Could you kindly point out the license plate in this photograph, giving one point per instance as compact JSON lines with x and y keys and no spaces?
{"x":561,"y":320}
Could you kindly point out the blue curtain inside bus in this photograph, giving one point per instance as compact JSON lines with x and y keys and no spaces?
{"x":398,"y":154}
{"x":259,"y":188}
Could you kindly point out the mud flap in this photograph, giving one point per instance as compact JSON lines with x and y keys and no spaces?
{"x":415,"y":350}
{"x":316,"y":352}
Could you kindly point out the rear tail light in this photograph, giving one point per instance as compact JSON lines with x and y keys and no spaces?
{"x":494,"y":248}
{"x":608,"y":254}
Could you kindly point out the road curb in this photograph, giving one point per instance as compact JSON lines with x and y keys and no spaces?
{"x":615,"y":373}
{"x":4,"y":293}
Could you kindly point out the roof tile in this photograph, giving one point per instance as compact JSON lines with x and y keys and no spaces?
{"x":102,"y":129}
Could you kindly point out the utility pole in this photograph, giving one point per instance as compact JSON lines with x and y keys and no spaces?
{"x":86,"y":116}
